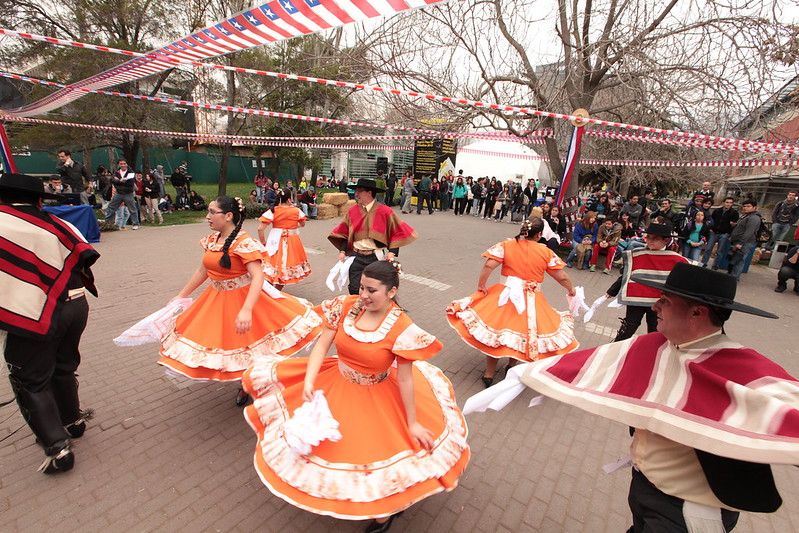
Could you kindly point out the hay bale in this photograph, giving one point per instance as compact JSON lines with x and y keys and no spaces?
{"x":335,"y":198}
{"x":326,"y":212}
{"x":342,"y":209}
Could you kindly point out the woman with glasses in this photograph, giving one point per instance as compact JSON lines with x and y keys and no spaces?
{"x":233,"y":321}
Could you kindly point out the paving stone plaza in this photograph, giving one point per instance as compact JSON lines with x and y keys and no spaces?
{"x":163,"y":457}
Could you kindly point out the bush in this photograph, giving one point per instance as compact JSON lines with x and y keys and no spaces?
{"x":107,"y":225}
{"x":256,"y":210}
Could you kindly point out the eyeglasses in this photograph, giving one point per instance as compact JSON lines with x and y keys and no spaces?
{"x":214,"y":212}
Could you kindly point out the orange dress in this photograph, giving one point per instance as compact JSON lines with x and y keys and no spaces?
{"x":376,"y":469}
{"x":504,"y":330}
{"x":204,"y":344}
{"x":285,"y":261}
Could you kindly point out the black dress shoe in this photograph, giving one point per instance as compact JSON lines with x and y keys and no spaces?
{"x":376,"y":527}
{"x":487,"y":381}
{"x":62,"y":461}
{"x":242,"y":398}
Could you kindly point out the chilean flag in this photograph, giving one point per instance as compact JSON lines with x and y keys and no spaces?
{"x":572,"y":157}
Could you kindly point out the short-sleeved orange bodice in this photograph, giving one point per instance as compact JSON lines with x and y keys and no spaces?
{"x":204,"y":343}
{"x":534,"y":332}
{"x":285,"y":261}
{"x":376,"y":469}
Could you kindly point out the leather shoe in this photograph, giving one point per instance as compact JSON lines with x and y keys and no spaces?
{"x":376,"y":527}
{"x":487,"y":381}
{"x":242,"y":398}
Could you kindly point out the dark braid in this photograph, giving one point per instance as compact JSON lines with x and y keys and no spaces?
{"x":236,"y":206}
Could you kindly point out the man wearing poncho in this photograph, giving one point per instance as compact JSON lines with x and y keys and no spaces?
{"x":370,"y":231}
{"x":708,"y":414}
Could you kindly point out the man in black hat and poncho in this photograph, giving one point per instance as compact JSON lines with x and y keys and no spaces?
{"x":45,"y":263}
{"x":370,"y":231}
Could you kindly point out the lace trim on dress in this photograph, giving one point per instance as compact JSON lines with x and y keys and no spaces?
{"x":355,"y":482}
{"x":517,"y":341}
{"x":332,"y":309}
{"x":245,"y":245}
{"x":361,"y":378}
{"x":497,"y":250}
{"x":233,"y":283}
{"x":192,"y":354}
{"x":413,"y":338}
{"x":287,"y":274}
{"x":369,"y":336}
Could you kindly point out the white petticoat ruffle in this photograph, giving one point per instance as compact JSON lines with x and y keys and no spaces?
{"x":194,"y":355}
{"x":355,"y":482}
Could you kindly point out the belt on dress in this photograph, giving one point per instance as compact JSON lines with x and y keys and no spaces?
{"x":232,"y":284}
{"x":363,"y":252}
{"x":361,"y":378}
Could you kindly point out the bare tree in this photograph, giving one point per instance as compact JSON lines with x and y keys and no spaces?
{"x":691,"y":66}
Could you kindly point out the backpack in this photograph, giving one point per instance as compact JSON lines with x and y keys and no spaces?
{"x":763,"y":233}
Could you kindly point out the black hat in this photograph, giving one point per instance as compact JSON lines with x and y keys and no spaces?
{"x":26,"y":184}
{"x":704,"y":285}
{"x":366,"y":183}
{"x":663,"y":230}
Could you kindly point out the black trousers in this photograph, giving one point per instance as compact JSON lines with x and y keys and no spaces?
{"x":654,"y":511}
{"x":460,"y":205}
{"x":356,"y":269}
{"x":42,"y":374}
{"x":424,"y":196}
{"x":632,"y":319}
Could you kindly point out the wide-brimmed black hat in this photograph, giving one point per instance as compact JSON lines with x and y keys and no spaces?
{"x":27,"y":184}
{"x":704,"y":285}
{"x":663,"y":230}
{"x":366,"y":183}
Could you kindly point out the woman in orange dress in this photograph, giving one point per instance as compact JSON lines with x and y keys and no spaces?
{"x":233,"y":320}
{"x":403,"y":436}
{"x":286,"y":261}
{"x":513,"y":318}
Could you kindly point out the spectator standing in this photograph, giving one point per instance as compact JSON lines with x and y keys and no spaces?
{"x":408,"y":190}
{"x":178,"y":180}
{"x":260,"y":186}
{"x":531,"y":194}
{"x":158,"y":176}
{"x":123,"y":181}
{"x":743,"y":238}
{"x":494,"y":189}
{"x":391,"y":187}
{"x":459,"y":193}
{"x":152,"y":192}
{"x":425,"y":185}
{"x":785,"y":215}
{"x":478,"y":192}
{"x":72,"y":172}
{"x":724,"y":218}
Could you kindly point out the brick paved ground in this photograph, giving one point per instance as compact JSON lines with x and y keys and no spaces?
{"x":162,"y":458}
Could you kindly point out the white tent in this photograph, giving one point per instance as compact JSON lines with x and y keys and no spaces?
{"x":504,"y":168}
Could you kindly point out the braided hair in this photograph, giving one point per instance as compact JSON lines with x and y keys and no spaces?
{"x":236,"y":206}
{"x":282,"y":195}
{"x":530,"y":228}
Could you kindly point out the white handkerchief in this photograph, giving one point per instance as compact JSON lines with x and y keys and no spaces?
{"x":272,"y":291}
{"x":513,"y":292}
{"x":499,"y":395}
{"x":311,"y":423}
{"x":594,"y":306}
{"x":154,"y":327}
{"x":339,"y":274}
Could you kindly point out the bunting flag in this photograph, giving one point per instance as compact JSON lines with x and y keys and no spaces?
{"x":572,"y":156}
{"x":5,"y":152}
{"x":272,"y":21}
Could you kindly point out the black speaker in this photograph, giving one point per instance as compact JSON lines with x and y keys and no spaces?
{"x":382,"y":165}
